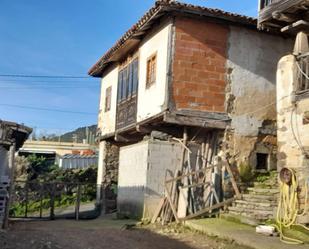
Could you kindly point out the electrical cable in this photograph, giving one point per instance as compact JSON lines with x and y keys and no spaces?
{"x":47,"y":109}
{"x":44,"y":76}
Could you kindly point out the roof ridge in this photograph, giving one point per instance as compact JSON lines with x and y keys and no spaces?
{"x":158,"y":6}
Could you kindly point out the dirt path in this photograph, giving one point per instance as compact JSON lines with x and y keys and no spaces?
{"x":103,"y":234}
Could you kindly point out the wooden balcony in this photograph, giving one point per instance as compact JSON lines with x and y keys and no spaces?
{"x":276,"y":14}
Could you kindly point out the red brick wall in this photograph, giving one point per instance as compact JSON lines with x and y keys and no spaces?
{"x":199,"y":65}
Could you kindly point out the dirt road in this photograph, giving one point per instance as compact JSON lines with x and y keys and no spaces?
{"x":103,"y":234}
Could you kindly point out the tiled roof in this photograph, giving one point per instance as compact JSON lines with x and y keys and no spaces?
{"x":158,"y":9}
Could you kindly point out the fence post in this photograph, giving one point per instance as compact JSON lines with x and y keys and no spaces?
{"x":26,"y":196}
{"x":77,"y":206}
{"x":52,"y":202}
{"x":41,"y":199}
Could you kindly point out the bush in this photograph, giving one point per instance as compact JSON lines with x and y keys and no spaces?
{"x":245,"y":172}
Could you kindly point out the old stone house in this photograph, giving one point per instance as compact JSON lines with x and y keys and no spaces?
{"x":185,"y":70}
{"x":291,"y":17}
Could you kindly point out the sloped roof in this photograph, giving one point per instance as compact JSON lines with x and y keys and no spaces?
{"x":136,"y":32}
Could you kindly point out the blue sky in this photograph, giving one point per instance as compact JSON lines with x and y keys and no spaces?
{"x":65,"y":37}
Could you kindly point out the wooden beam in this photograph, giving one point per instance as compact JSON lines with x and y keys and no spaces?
{"x":143,"y":129}
{"x":186,"y":120}
{"x":158,"y":210}
{"x":205,"y":210}
{"x":234,"y":184}
{"x":171,"y":204}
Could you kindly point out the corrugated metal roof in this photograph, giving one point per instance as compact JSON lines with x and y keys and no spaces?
{"x":74,"y":156}
{"x":162,"y":7}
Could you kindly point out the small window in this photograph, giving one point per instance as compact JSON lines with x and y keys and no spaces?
{"x":151,"y":70}
{"x":261,"y":161}
{"x":108,"y":98}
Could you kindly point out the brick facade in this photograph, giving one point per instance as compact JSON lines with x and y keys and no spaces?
{"x":199,"y":65}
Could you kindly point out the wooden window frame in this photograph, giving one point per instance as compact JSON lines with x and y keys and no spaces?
{"x":151,"y":70}
{"x":128,"y":81}
{"x":108,"y":99}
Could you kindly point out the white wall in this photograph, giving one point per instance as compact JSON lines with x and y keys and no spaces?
{"x":142,"y":171}
{"x":151,"y":101}
{"x":132,"y":179}
{"x":107,"y":120}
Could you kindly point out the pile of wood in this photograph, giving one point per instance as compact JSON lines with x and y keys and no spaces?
{"x":196,"y":188}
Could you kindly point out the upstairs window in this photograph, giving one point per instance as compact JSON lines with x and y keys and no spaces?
{"x":128,"y":81}
{"x":108,"y":98}
{"x":151,"y":70}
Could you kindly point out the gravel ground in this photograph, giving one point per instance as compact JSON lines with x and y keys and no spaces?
{"x":104,"y":234}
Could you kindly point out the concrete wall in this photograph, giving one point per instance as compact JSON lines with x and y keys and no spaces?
{"x":107,"y":120}
{"x":151,"y":101}
{"x":162,"y":156}
{"x":133,"y":162}
{"x":142,"y":171}
{"x":251,"y":90}
{"x":293,"y":132}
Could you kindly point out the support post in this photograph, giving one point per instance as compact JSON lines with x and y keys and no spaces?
{"x":78,"y":197}
{"x":11,"y":187}
{"x":100,"y":200}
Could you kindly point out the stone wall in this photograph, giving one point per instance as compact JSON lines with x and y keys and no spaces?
{"x":251,"y":94}
{"x":293,"y":130}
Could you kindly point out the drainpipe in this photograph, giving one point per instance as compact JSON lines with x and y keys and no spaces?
{"x":169,"y":68}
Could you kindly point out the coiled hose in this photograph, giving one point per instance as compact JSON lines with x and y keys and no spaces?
{"x":288,"y":207}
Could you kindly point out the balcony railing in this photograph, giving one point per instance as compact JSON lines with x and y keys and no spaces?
{"x":265,"y":3}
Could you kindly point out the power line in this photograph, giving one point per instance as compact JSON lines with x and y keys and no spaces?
{"x":46,"y":87}
{"x":48,"y":109}
{"x":44,"y":76}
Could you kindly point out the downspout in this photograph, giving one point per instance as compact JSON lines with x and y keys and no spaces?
{"x":168,"y":105}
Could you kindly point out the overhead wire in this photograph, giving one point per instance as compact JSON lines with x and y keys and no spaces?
{"x":45,"y":76}
{"x":47,"y":109}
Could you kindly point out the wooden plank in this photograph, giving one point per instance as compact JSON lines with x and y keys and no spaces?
{"x":194,"y":121}
{"x":189,"y":174}
{"x":77,"y":205}
{"x":171,"y":204}
{"x":205,"y":210}
{"x":234,"y":184}
{"x":158,"y":210}
{"x":266,"y":13}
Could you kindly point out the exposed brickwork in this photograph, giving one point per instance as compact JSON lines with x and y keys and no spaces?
{"x":199,"y":65}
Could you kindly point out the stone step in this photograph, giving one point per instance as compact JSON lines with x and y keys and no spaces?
{"x":260,"y":198}
{"x":240,"y":218}
{"x":253,"y":203}
{"x":259,"y":218}
{"x":249,"y":208}
{"x":251,"y":212}
{"x":263,"y":191}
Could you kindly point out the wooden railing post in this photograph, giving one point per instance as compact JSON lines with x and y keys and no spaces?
{"x":52,"y":202}
{"x":78,"y":197}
